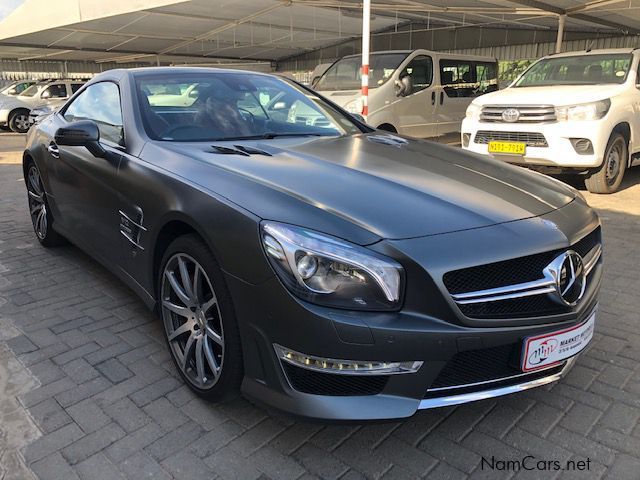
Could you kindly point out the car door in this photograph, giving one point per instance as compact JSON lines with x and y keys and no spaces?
{"x":415,"y":112}
{"x":457,"y":89}
{"x":86,"y":187}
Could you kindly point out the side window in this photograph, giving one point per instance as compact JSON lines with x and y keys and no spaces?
{"x":55,"y":91}
{"x":21,"y":87}
{"x":75,"y":87}
{"x":100,"y":102}
{"x":457,"y":79}
{"x":486,"y":78}
{"x":420,"y":69}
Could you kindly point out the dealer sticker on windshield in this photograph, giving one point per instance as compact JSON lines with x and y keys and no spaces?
{"x":552,"y":348}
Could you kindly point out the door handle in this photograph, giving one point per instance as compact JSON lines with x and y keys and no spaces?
{"x":441,"y":98}
{"x":54,"y":150}
{"x":433,"y":98}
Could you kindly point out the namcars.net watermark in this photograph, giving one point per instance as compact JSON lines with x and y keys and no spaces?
{"x":531,"y":463}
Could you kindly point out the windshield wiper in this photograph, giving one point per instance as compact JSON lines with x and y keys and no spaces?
{"x":268,"y":136}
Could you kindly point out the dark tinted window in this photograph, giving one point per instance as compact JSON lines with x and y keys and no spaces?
{"x":100,"y":102}
{"x":231,"y":106}
{"x":55,"y":91}
{"x":456,"y":77}
{"x":420,"y":69}
{"x":75,"y":87}
{"x":21,"y":87}
{"x":465,"y":78}
{"x":486,"y":77}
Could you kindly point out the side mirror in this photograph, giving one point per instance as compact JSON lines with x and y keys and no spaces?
{"x":404,"y":86}
{"x":12,"y":91}
{"x":46,"y":94}
{"x":84,"y":133}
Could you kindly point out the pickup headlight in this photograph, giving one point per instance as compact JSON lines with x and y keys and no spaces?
{"x":328,"y":271}
{"x":354,"y":106}
{"x":583,"y":111}
{"x":473,"y":111}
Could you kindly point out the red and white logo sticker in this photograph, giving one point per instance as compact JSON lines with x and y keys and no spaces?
{"x":551,"y":348}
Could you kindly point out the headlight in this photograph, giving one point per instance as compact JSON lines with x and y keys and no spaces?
{"x":473,"y":111}
{"x":328,"y":271}
{"x":354,"y":106}
{"x":583,"y":111}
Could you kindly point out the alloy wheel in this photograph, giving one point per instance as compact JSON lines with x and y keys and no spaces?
{"x":21,"y":122}
{"x":37,"y":204}
{"x":192,"y":320}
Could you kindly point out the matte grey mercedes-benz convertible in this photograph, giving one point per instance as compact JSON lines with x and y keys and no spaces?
{"x":312,"y":263}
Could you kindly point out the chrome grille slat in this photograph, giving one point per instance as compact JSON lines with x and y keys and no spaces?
{"x":528,"y":113}
{"x":531,"y":139}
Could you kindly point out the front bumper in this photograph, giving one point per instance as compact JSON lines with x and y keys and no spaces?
{"x":559,"y":153}
{"x":454,"y":349}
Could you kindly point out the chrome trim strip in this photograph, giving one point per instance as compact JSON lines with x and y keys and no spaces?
{"x":591,"y":259}
{"x":502,"y":379}
{"x":133,"y":242}
{"x":132,"y":221}
{"x":523,"y":288}
{"x":494,"y":392}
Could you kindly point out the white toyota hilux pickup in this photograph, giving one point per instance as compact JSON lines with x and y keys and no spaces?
{"x":575,"y":112}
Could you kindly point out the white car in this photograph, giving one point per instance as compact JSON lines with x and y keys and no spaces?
{"x":14,"y":111}
{"x":575,"y":112}
{"x":16,"y":88}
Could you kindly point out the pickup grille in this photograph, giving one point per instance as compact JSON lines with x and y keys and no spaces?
{"x":528,"y":113}
{"x":531,"y":139}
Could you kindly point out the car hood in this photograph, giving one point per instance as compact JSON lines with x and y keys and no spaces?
{"x":393,"y":187}
{"x":551,"y":95}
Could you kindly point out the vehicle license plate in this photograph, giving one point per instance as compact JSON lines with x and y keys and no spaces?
{"x":552,"y":348}
{"x":513,"y":148}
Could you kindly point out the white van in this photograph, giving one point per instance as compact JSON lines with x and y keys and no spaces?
{"x":413,"y":92}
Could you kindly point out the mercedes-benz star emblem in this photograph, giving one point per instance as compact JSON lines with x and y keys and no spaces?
{"x":511,"y":115}
{"x":567,"y":271}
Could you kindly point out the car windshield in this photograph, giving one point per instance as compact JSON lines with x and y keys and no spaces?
{"x":345,"y":74}
{"x":577,"y":70}
{"x":231,"y":106}
{"x":31,"y":91}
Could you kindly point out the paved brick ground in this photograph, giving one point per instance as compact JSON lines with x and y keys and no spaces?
{"x":109,"y":403}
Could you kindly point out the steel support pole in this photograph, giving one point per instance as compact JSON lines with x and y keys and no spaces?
{"x":366,"y":37}
{"x":561,"y":21}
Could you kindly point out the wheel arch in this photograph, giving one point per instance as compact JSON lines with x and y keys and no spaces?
{"x":173,"y":226}
{"x":624,"y":128}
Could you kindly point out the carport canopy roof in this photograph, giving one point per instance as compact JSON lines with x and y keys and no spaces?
{"x":210,"y":31}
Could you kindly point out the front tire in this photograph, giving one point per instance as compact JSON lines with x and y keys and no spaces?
{"x":199,"y":320}
{"x":19,"y":121}
{"x":609,"y":177}
{"x":39,"y":211}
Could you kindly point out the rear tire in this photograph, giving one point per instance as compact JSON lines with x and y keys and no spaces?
{"x":199,"y":320}
{"x":39,"y":211}
{"x":609,"y":177}
{"x":19,"y":121}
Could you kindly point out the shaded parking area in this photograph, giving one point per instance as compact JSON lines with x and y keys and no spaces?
{"x":99,"y":396}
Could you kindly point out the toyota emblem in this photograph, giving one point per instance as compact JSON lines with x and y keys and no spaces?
{"x":511,"y":115}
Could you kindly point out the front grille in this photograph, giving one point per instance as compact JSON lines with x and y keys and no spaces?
{"x":480,"y":365}
{"x":490,"y":366}
{"x":318,"y":383}
{"x":512,"y":272}
{"x":528,"y":113}
{"x":531,"y":139}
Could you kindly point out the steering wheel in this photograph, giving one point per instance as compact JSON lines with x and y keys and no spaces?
{"x":172,"y":130}
{"x":252,"y":117}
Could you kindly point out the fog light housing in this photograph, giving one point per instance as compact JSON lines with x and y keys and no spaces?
{"x":466,"y":138}
{"x":344,"y":367}
{"x":582,"y":146}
